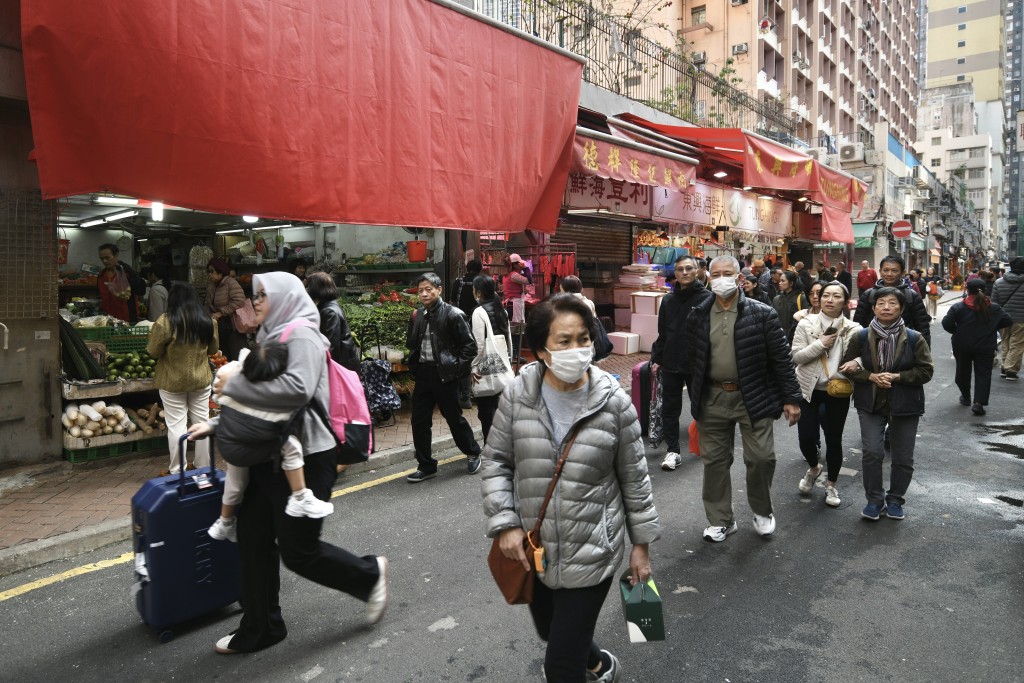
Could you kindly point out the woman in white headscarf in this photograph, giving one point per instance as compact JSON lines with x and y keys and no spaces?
{"x":266,"y":534}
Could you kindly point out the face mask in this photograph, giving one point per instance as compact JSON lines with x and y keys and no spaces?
{"x":571,"y":364}
{"x":724,"y":287}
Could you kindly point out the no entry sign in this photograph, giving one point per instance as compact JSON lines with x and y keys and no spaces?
{"x":901,"y":229}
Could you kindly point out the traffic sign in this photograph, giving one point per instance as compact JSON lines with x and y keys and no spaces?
{"x":901,"y":229}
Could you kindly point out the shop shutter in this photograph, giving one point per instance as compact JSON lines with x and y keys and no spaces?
{"x":610,"y":243}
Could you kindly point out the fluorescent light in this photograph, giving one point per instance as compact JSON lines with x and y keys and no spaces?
{"x":250,"y":219}
{"x":89,"y":224}
{"x":143,"y":240}
{"x":748,"y":188}
{"x":765,"y":196}
{"x":720,"y":174}
{"x":231,"y":232}
{"x":157,"y":211}
{"x":272,"y":227}
{"x":802,"y":199}
{"x":116,"y":201}
{"x":67,"y":225}
{"x":119,"y":216}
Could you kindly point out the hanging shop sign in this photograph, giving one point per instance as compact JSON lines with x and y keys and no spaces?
{"x":587,"y":192}
{"x":602,"y":155}
{"x":715,"y":205}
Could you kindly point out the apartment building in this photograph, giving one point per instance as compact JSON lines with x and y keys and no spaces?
{"x":838,"y":66}
{"x":1012,"y":91}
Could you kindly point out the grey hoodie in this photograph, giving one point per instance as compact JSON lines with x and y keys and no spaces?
{"x":1009,"y":293}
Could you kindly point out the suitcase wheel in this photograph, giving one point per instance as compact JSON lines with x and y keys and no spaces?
{"x":166,"y":636}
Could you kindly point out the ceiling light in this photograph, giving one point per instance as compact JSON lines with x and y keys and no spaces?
{"x":231,"y":232}
{"x":802,"y":199}
{"x":720,"y":174}
{"x":116,"y":201}
{"x":765,"y":196}
{"x":67,"y":225}
{"x":89,"y":224}
{"x":748,"y":188}
{"x":157,"y":211}
{"x":250,"y":219}
{"x":119,"y":216}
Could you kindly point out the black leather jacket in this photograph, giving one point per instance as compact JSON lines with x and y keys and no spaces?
{"x":334,"y":326}
{"x":451,"y":338}
{"x":766,"y":376}
{"x":669,"y":350}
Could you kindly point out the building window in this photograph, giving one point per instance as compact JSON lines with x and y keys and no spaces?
{"x":977,"y":152}
{"x":935,"y":163}
{"x":961,"y":78}
{"x":961,"y":43}
{"x":961,"y":60}
{"x":936,"y":142}
{"x":961,"y":27}
{"x":961,"y":10}
{"x":698,"y":15}
{"x":975,"y":173}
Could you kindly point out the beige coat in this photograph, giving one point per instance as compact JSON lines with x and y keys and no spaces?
{"x":807,"y":351}
{"x":226,"y":297}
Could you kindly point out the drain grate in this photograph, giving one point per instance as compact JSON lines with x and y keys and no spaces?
{"x":1011,"y":501}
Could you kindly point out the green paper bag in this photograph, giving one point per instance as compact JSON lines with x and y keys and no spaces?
{"x":641,"y":605}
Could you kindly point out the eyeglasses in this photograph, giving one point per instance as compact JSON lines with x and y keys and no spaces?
{"x":259,"y":296}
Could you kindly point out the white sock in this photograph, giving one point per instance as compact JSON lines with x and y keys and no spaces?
{"x":301,"y":493}
{"x":227,"y":520}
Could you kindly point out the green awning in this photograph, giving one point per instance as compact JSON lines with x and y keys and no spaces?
{"x":864,"y":234}
{"x":917,"y":242}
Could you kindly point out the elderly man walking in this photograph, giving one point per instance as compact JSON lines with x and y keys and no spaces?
{"x":1009,"y":294}
{"x":741,"y":374}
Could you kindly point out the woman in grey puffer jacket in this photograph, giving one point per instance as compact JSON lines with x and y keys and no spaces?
{"x":603,"y":493}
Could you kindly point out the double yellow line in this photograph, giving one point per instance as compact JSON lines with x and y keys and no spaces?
{"x":127,"y":557}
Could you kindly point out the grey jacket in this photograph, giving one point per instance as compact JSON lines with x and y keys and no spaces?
{"x":1011,"y":301}
{"x":603,"y":493}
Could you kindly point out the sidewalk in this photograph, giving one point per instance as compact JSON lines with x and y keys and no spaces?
{"x":57,"y":509}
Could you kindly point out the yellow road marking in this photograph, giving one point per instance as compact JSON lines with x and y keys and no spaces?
{"x":127,"y":557}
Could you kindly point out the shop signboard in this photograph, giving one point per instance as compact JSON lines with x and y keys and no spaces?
{"x":588,"y":192}
{"x":715,"y":205}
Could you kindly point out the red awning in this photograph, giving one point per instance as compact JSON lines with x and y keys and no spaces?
{"x":602,"y":155}
{"x":769,"y":164}
{"x":406,"y":112}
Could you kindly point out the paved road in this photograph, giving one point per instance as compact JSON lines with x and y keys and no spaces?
{"x":936,"y":597}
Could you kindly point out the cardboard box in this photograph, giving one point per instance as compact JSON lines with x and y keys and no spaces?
{"x":640,"y":323}
{"x":623,"y":296}
{"x":641,"y":605}
{"x":622,"y":317}
{"x":624,"y":343}
{"x":647,"y":342}
{"x":647,"y":303}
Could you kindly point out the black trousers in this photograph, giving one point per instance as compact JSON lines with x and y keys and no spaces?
{"x":231,"y":341}
{"x":672,"y":384}
{"x":486,"y":407}
{"x":566,"y":619}
{"x":982,"y":363}
{"x":430,"y":391}
{"x":826,"y":413}
{"x":266,"y":535}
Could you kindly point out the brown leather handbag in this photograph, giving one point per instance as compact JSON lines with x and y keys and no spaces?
{"x":515,"y":582}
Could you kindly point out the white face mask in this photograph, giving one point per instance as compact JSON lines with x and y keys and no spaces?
{"x":570,"y":365}
{"x":724,"y":287}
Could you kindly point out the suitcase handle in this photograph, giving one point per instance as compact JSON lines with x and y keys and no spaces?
{"x":181,"y":462}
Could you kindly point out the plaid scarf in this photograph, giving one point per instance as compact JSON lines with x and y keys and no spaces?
{"x":887,"y":338}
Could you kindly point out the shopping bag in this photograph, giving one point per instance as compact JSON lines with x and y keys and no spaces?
{"x":656,"y":428}
{"x":694,"y":438}
{"x":641,"y":605}
{"x":495,"y":369}
{"x":244,"y":318}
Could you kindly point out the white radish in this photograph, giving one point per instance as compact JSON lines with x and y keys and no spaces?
{"x":111,"y":421}
{"x":86,"y":433}
{"x":118,"y":429}
{"x":99,"y":406}
{"x":90,"y":412}
{"x":71,"y":410}
{"x":64,"y":420}
{"x":108,"y":430}
{"x":81,"y":420}
{"x":132,"y":427}
{"x":93,"y":425}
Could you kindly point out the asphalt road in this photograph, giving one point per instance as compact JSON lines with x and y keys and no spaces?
{"x":936,"y":597}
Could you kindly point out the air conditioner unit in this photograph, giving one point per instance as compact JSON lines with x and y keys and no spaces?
{"x":874,"y":158}
{"x":740,"y":49}
{"x":817,"y":153}
{"x":700,"y":57}
{"x":852,"y":152}
{"x":737,"y":3}
{"x":832,"y":160}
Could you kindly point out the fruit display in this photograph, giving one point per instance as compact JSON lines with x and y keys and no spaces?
{"x":218,"y":360}
{"x":131,"y":365}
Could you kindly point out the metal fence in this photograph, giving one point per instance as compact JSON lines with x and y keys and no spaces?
{"x":626,"y":62}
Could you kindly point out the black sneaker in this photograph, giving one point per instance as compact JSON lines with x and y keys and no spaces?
{"x":419,"y":475}
{"x":473,"y":464}
{"x":1011,"y":375}
{"x":978,"y":409}
{"x":1002,"y":372}
{"x":964,"y":401}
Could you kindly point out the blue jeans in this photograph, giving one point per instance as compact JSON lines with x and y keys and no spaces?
{"x":902,"y":437}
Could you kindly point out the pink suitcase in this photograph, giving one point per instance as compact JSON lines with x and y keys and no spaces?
{"x":641,"y":394}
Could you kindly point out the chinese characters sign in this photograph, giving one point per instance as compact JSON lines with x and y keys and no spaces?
{"x":777,"y":167}
{"x":714,"y":205}
{"x":618,"y":162}
{"x":595,"y":192}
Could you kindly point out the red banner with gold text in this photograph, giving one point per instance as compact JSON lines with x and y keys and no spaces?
{"x":619,"y":162}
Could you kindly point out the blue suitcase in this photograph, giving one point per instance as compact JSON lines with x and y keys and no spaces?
{"x":181,"y":572}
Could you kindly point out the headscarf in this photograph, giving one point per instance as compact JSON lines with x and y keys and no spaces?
{"x":887,"y":339}
{"x":288,"y":301}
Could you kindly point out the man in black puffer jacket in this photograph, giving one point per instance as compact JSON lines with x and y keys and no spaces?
{"x":741,"y":374}
{"x":441,"y":351}
{"x":893,"y":273}
{"x":669,"y":351}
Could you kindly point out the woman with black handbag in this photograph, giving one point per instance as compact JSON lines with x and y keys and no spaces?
{"x":819,"y":342}
{"x":564,"y":406}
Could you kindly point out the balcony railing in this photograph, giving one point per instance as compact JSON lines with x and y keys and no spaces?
{"x":628,"y":63}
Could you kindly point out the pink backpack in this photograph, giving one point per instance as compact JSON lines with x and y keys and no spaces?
{"x":348,"y":417}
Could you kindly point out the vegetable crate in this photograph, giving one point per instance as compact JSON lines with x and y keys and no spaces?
{"x":156,"y":443}
{"x":98,"y":452}
{"x":117,"y":339}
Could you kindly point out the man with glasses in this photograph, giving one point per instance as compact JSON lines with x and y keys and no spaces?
{"x":669,"y":353}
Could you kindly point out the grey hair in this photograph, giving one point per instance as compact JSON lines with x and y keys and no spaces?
{"x":432,"y":278}
{"x":725,"y":257}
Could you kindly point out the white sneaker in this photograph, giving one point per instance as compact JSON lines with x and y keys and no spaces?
{"x":717,"y":534}
{"x":832,"y":496}
{"x":224,"y":531}
{"x":307,"y":505}
{"x":378,"y":600}
{"x":671,"y":461}
{"x":764,"y":525}
{"x":806,"y":484}
{"x":609,"y":675}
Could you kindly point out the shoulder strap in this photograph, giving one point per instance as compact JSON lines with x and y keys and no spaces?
{"x":824,"y":364}
{"x":301,"y":322}
{"x":551,"y":488}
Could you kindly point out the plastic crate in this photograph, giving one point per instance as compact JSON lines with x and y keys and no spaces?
{"x":155,"y":443}
{"x":99,"y":452}
{"x":117,"y":339}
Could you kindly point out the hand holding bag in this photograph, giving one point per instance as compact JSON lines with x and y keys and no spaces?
{"x":495,"y":370}
{"x":514,"y":582}
{"x":244,"y":318}
{"x":837,"y":387}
